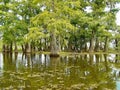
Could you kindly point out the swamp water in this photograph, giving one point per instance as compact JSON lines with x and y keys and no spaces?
{"x":74,"y":72}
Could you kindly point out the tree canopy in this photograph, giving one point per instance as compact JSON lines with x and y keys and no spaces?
{"x":59,"y":25}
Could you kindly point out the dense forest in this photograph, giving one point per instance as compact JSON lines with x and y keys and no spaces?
{"x":59,"y":25}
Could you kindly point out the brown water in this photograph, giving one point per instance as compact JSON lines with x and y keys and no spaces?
{"x":75,"y":72}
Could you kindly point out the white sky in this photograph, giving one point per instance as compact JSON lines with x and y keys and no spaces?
{"x":88,"y":9}
{"x":118,"y":15}
{"x":118,"y":18}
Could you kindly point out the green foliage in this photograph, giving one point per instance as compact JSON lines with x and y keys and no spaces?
{"x":25,"y":21}
{"x":35,"y":34}
{"x":1,"y":45}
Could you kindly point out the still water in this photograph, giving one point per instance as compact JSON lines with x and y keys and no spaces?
{"x":74,"y":72}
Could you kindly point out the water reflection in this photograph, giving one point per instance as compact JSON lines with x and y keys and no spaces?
{"x":1,"y":65}
{"x":78,"y":72}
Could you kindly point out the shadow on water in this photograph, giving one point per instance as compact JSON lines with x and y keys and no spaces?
{"x":77,"y":72}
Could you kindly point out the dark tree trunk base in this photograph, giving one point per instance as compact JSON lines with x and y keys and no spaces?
{"x":25,"y":52}
{"x":7,"y":51}
{"x":54,"y":55}
{"x":16,"y":52}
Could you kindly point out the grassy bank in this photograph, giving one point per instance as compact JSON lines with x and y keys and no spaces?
{"x":77,"y":53}
{"x":71,"y":53}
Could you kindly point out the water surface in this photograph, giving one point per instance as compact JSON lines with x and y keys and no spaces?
{"x":74,"y":72}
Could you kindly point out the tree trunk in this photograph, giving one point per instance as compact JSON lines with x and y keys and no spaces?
{"x":16,"y":55}
{"x":3,"y":48}
{"x":16,"y":50}
{"x":86,"y":48}
{"x":106,"y":44}
{"x":54,"y":47}
{"x":10,"y":48}
{"x":116,"y":44}
{"x":83,"y":45}
{"x":28,"y":49}
{"x":92,"y":40}
{"x":69,"y":48}
{"x":116,"y":58}
{"x":33,"y":49}
{"x":59,"y":44}
{"x":7,"y":48}
{"x":45,"y":46}
{"x":97,"y":47}
{"x":23,"y":49}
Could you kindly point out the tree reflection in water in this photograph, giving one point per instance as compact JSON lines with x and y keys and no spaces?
{"x":1,"y":64}
{"x":77,"y":72}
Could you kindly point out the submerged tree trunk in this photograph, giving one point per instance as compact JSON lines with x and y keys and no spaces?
{"x":86,"y":48}
{"x":83,"y":45}
{"x":116,"y":44}
{"x":28,"y":49}
{"x":59,"y":44}
{"x":7,"y":48}
{"x":3,"y":48}
{"x":45,"y":44}
{"x":10,"y":48}
{"x":15,"y":50}
{"x":97,"y":47}
{"x":24,"y":47}
{"x":92,"y":40}
{"x":54,"y":47}
{"x":16,"y":55}
{"x":33,"y":47}
{"x":106,"y":44}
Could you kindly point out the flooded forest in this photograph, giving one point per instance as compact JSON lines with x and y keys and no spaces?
{"x":59,"y":44}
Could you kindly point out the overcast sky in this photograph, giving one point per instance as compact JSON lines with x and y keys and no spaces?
{"x":118,"y":18}
{"x":118,"y":15}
